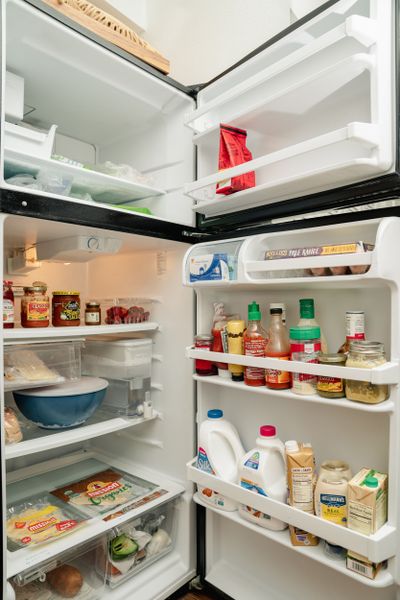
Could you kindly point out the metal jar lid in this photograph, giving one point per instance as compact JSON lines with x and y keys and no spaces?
{"x":65,"y":293}
{"x":35,"y":288}
{"x":334,"y":358}
{"x":93,"y":304}
{"x":366,"y":347}
{"x":203,"y":337}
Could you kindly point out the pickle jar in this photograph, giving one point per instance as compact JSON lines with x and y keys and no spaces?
{"x":331,"y":387}
{"x":35,"y":306}
{"x":366,"y":355}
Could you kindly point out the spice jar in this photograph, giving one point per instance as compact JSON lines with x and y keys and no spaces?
{"x":304,"y":383}
{"x":66,"y":309}
{"x":331,"y":387}
{"x":366,"y":355}
{"x":35,"y":306}
{"x":92,"y":313}
{"x":204,"y":367}
{"x":305,"y":339}
{"x":8,"y":305}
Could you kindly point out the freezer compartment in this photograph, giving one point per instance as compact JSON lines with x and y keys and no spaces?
{"x":113,"y":138}
{"x":118,"y":359}
{"x":377,"y":547}
{"x":38,"y":365}
{"x":71,"y":574}
{"x":138,"y":543}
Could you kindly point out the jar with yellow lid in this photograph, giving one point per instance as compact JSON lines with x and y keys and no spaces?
{"x":66,"y":309}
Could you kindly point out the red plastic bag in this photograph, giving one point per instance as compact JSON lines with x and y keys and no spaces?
{"x":233,"y":151}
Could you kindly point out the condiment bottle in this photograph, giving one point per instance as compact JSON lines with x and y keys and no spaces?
{"x":305,"y":346}
{"x":35,"y":306}
{"x":8,"y":305}
{"x":307,"y":319}
{"x":331,"y":491}
{"x":204,"y":367}
{"x":219,"y":324}
{"x":235,"y":330}
{"x":92,"y":313}
{"x":278,"y":346}
{"x":255,"y":340}
{"x":355,"y":329}
{"x":366,"y":355}
{"x":281,"y":305}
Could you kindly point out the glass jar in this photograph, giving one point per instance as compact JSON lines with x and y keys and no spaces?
{"x":331,"y":387}
{"x":66,"y":309}
{"x":304,"y":383}
{"x":8,"y":305}
{"x":204,"y":367}
{"x":35,"y":306}
{"x":92,"y":313}
{"x":366,"y":355}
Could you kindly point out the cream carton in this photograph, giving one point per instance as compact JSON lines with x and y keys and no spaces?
{"x":301,"y":476}
{"x":367,"y":501}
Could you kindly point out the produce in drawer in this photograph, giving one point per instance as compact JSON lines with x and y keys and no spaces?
{"x":35,"y":521}
{"x":66,"y":580}
{"x":25,"y":366}
{"x":12,"y":428}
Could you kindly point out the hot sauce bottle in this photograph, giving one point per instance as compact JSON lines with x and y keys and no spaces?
{"x":278,"y":346}
{"x":255,"y":340}
{"x":8,"y":305}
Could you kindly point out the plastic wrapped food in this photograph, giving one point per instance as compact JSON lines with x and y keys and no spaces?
{"x":119,"y":314}
{"x":36,"y":521}
{"x":11,"y":426}
{"x":25,"y":365}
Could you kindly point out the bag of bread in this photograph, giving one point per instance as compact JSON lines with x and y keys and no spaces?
{"x":233,"y":151}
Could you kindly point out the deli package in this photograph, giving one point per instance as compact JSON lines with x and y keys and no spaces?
{"x":40,"y":520}
{"x":103,"y":491}
{"x":232,"y":152}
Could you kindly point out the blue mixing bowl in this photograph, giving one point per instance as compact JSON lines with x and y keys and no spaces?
{"x":59,"y":406}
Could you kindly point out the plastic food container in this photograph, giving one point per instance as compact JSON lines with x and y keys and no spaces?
{"x":66,"y":405}
{"x":29,"y":141}
{"x":138,"y":543}
{"x":125,"y":310}
{"x":118,"y":359}
{"x":71,"y":574}
{"x":128,"y":397}
{"x":38,"y":365}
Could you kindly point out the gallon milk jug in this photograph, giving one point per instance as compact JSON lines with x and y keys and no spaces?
{"x":219,"y":453}
{"x":263,"y":470}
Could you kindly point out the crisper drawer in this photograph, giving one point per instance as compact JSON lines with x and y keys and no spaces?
{"x":72,"y":574}
{"x":41,"y":364}
{"x":137,"y":544}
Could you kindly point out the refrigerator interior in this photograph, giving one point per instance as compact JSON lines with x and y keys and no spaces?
{"x":241,"y":558}
{"x":155,"y":449}
{"x":105,"y":109}
{"x":317,"y":105}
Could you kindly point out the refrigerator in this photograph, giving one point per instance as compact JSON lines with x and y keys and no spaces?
{"x":319,"y":104}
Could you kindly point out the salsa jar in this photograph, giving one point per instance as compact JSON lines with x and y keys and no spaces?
{"x":8,"y":305}
{"x":366,"y":355}
{"x":35,"y":306}
{"x":66,"y":309}
{"x":204,"y":367}
{"x":331,"y":387}
{"x":92,"y":313}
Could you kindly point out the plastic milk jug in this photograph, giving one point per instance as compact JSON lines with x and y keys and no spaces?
{"x":219,"y":453}
{"x":263,"y":471}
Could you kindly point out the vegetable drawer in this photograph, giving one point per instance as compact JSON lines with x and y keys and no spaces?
{"x":71,"y":574}
{"x":137,"y":544}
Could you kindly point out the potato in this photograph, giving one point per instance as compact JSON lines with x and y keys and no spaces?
{"x":65,"y":580}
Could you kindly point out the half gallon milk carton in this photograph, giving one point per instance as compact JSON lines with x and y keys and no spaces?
{"x":263,"y":470}
{"x":219,"y":453}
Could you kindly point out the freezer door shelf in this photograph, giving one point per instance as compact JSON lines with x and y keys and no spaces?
{"x":388,"y":373}
{"x":40,"y":478}
{"x":383,"y":579}
{"x":377,"y":547}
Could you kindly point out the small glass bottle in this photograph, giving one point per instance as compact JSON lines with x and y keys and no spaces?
{"x":366,"y":355}
{"x":278,"y":346}
{"x":92,"y":313}
{"x":204,"y":367}
{"x":8,"y":305}
{"x":255,"y":339}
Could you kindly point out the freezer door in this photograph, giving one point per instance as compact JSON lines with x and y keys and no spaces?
{"x":318,"y":108}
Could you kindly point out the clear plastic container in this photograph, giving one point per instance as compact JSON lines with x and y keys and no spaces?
{"x":137,"y":544}
{"x":115,"y":311}
{"x":72,"y":574}
{"x":39,"y":365}
{"x":128,"y":397}
{"x":115,"y":358}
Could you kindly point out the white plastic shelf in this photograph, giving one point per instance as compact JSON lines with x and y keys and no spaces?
{"x":42,"y":480}
{"x":386,"y":407}
{"x":377,"y":547}
{"x":383,"y":579}
{"x":103,"y":188}
{"x":38,"y":333}
{"x":38,"y":440}
{"x":388,"y":373}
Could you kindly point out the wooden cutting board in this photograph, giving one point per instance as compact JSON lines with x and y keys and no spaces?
{"x":111,"y":29}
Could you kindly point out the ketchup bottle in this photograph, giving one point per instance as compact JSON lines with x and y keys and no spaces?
{"x":8,"y":305}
